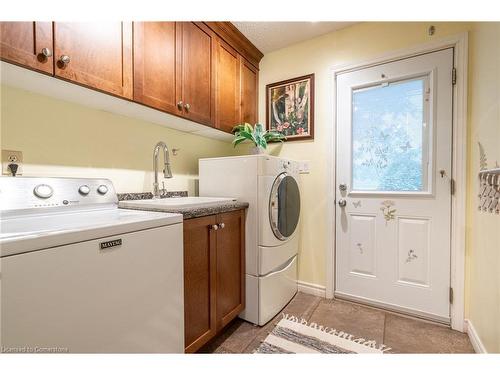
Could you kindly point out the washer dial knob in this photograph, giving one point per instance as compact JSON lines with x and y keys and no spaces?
{"x":84,"y":190}
{"x":43,"y":191}
{"x":102,"y":189}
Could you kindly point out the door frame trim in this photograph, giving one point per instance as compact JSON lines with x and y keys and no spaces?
{"x":459,"y":43}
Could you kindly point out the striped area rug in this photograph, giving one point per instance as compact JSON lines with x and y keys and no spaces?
{"x":293,"y":335}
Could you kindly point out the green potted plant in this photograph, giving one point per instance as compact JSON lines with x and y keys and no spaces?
{"x":257,"y":135}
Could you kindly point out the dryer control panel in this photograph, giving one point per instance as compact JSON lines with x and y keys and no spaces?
{"x":273,"y":166}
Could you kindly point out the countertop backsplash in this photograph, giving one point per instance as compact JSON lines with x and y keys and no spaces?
{"x":148,"y":195}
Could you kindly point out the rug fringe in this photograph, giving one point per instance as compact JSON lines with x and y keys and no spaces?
{"x":344,"y":335}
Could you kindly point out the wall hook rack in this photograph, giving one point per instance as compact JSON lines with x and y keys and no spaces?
{"x":489,"y":190}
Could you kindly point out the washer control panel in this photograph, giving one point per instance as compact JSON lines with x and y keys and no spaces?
{"x":84,"y":190}
{"x":43,"y":191}
{"x":102,"y":189}
{"x":18,"y":193}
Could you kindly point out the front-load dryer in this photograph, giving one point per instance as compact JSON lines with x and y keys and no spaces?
{"x":271,"y":187}
{"x":279,"y":213}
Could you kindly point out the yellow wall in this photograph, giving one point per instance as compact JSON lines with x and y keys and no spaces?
{"x":483,"y":230}
{"x":363,"y":42}
{"x":58,"y":138}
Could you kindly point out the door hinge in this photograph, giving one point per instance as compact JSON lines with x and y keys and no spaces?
{"x":451,"y":295}
{"x":454,"y":76}
{"x":452,"y":186}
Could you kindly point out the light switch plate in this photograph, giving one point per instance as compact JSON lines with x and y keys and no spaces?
{"x":9,"y":157}
{"x":304,"y":167}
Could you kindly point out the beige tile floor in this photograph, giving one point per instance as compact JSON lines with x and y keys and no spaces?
{"x":402,"y":334}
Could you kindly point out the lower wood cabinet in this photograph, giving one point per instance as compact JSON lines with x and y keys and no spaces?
{"x":214,"y":275}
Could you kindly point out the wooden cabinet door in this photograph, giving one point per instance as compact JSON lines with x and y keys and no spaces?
{"x":154,"y":65}
{"x":227,"y":91}
{"x":199,"y":282}
{"x":24,"y":43}
{"x":194,"y":83}
{"x":230,"y":266}
{"x":99,"y":53}
{"x":249,"y":92}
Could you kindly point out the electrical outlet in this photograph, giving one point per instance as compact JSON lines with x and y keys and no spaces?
{"x":304,"y":167}
{"x":12,"y":157}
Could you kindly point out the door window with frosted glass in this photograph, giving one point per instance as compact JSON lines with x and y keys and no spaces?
{"x":390,"y":137}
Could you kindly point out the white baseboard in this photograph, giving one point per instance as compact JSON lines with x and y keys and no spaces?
{"x":476,"y":342}
{"x":314,"y":289}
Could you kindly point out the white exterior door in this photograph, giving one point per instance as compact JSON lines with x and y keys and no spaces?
{"x":394,"y":134}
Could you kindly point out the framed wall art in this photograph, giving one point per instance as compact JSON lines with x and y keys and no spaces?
{"x":290,"y":107}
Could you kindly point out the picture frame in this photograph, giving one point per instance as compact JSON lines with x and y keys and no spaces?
{"x":290,"y":107}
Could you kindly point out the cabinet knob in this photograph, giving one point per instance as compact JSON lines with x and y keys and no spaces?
{"x":64,"y":60}
{"x":179,"y":105}
{"x":46,"y":52}
{"x":222,"y":225}
{"x":186,"y":107}
{"x":214,"y":227}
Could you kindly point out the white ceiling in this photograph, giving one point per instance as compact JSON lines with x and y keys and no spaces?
{"x":271,"y":36}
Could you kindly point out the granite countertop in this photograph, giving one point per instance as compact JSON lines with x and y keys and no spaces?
{"x":188,"y":212}
{"x":149,"y":195}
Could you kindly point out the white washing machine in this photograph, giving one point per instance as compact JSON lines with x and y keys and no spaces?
{"x":80,"y":275}
{"x":270,"y":186}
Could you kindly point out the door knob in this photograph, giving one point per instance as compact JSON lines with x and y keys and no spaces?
{"x":342,"y":202}
{"x":186,"y":107}
{"x":46,"y":52}
{"x":179,"y":105}
{"x":64,"y":60}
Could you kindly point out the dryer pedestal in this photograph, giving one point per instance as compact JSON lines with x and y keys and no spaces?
{"x":267,"y":295}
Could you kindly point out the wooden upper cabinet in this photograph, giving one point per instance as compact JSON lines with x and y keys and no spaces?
{"x":97,"y":55}
{"x":230,"y":266}
{"x":199,"y":282}
{"x":227,"y":83}
{"x":155,"y":65}
{"x":249,"y":92}
{"x":195,"y":86}
{"x":29,"y":44}
{"x":206,"y":72}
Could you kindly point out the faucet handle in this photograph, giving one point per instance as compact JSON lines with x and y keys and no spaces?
{"x":163,"y":190}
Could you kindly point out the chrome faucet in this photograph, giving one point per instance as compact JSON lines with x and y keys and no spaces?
{"x":167,"y":172}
